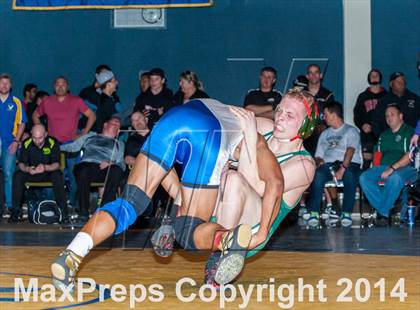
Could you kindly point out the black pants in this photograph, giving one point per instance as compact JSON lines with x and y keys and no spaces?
{"x":87,"y":173}
{"x":55,"y":177}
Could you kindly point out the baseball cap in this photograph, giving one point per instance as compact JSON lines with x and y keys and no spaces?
{"x":395,"y":75}
{"x":104,"y":77}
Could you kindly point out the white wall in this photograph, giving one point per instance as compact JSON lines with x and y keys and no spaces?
{"x":357,"y":51}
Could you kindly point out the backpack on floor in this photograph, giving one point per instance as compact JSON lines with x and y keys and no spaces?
{"x":47,"y":212}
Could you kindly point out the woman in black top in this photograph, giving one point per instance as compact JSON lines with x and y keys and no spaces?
{"x":190,"y":88}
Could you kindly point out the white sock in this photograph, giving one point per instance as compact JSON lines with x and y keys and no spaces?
{"x":81,"y":244}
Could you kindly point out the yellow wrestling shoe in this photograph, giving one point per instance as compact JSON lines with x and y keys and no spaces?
{"x":64,"y":270}
{"x":234,"y":247}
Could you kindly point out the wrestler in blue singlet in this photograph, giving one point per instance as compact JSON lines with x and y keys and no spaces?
{"x":202,"y":135}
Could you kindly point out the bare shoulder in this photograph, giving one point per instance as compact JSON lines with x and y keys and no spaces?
{"x":300,"y":166}
{"x":264,"y":125}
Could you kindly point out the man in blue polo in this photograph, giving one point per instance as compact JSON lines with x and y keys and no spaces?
{"x":12,"y":125}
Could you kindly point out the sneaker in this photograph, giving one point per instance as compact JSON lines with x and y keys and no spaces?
{"x":302,"y":210}
{"x":163,"y":238}
{"x":64,"y":270}
{"x":7,"y":213}
{"x":346,"y":220}
{"x":306,"y":215}
{"x":313,"y":219}
{"x":333,"y":217}
{"x":326,"y":214}
{"x":211,"y":268}
{"x":234,"y":247}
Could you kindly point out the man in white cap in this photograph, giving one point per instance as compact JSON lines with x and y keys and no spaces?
{"x":108,"y":105}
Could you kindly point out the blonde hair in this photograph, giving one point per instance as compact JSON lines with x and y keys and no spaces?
{"x":301,"y":95}
{"x":192,"y":77}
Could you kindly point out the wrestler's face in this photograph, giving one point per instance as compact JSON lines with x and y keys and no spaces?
{"x":288,"y":118}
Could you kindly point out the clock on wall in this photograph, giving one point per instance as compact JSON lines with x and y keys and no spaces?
{"x":151,"y":16}
{"x":139,"y":18}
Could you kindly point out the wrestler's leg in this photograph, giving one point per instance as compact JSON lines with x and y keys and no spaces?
{"x":114,"y":217}
{"x":198,"y":206}
{"x":172,"y":186}
{"x":239,"y":203}
{"x":146,"y":175}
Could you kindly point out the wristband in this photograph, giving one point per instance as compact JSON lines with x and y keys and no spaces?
{"x":393,"y":169}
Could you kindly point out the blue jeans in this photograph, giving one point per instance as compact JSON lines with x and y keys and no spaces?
{"x":323,"y":175}
{"x":8,"y":163}
{"x":382,"y":198}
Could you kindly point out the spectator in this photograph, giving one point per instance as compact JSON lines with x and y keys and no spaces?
{"x":136,"y":140}
{"x":31,"y":107}
{"x":39,"y":161}
{"x":408,"y":102}
{"x":190,"y":87}
{"x":12,"y":125}
{"x":63,"y":111}
{"x":107,"y":104}
{"x":301,"y":81}
{"x":91,"y":95}
{"x":157,"y":98}
{"x":394,"y":168}
{"x":144,"y":82}
{"x":322,"y":96}
{"x":363,"y":114}
{"x":102,"y":161}
{"x":29,"y":92}
{"x":263,"y":100}
{"x":338,"y":149}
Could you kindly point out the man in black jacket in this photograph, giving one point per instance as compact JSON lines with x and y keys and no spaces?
{"x":108,"y":106}
{"x":157,"y":98}
{"x":366,"y":104}
{"x":408,"y":102}
{"x":322,"y":96}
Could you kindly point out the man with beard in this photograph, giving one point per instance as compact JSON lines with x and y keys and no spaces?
{"x":363,"y":114}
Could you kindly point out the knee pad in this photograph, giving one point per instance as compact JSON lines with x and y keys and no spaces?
{"x":136,"y":197}
{"x":184,"y":227}
{"x":122,"y":212}
{"x":126,"y":209}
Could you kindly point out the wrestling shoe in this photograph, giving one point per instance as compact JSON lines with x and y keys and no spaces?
{"x":313,"y":219}
{"x":211,"y":268}
{"x":163,"y":238}
{"x":234,"y":247}
{"x":64,"y":270}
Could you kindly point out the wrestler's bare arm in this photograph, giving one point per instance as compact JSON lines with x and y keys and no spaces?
{"x":269,"y":172}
